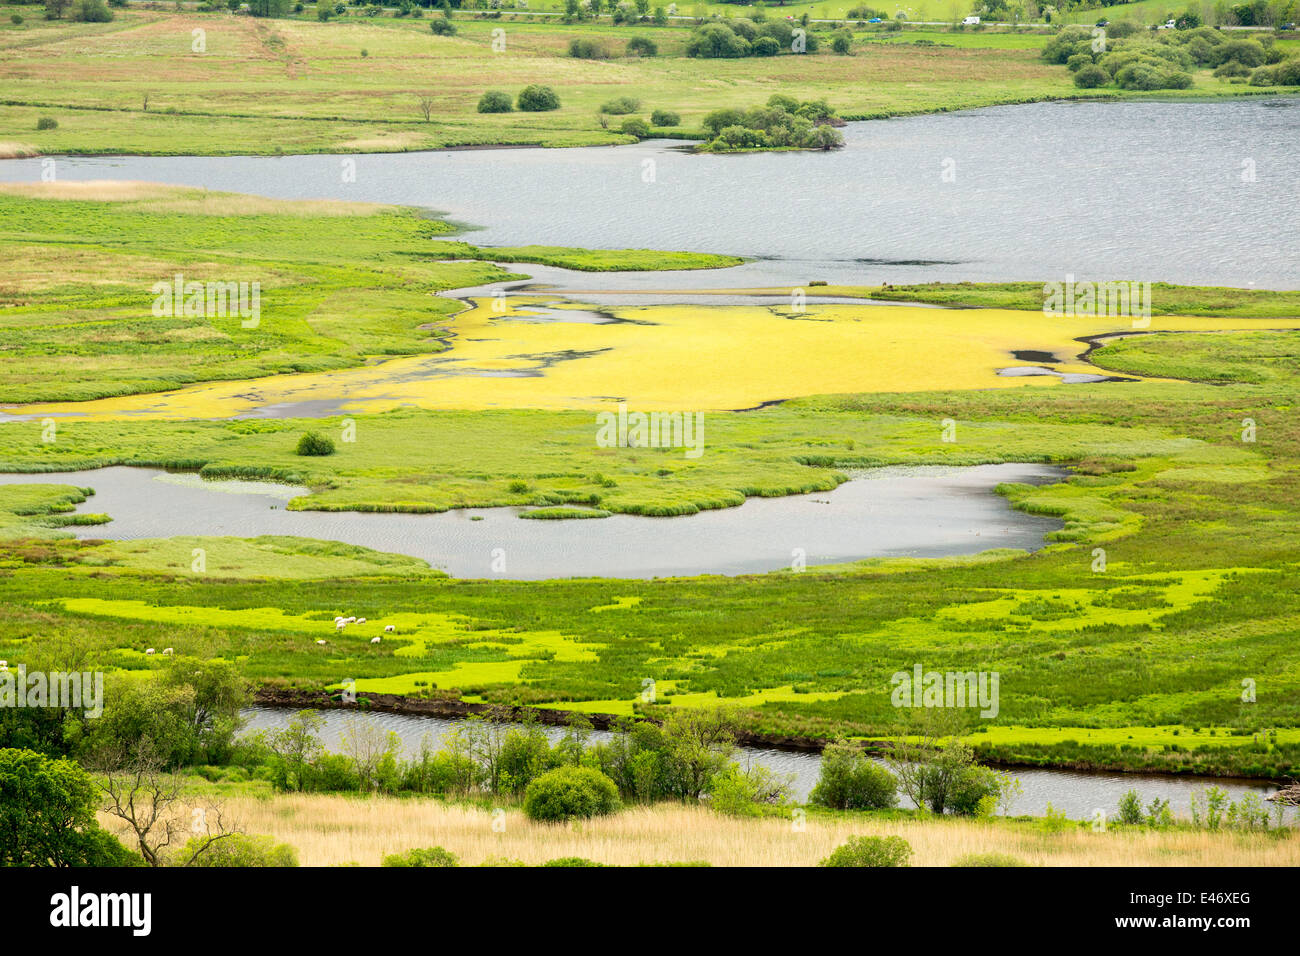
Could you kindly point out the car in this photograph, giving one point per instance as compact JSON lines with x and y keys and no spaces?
{"x":1103,"y":23}
{"x":875,"y":20}
{"x":1288,"y":26}
{"x":971,"y":21}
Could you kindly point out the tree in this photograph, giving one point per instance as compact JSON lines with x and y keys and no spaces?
{"x":698,"y":746}
{"x":426,"y":107}
{"x":495,"y":101}
{"x":850,"y":781}
{"x":54,"y":9}
{"x":47,"y":815}
{"x":147,"y":798}
{"x":297,"y":747}
{"x":568,"y":792}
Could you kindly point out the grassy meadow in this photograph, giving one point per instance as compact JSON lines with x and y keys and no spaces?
{"x":261,"y":86}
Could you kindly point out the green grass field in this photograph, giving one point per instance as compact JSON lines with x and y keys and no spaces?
{"x":136,"y":85}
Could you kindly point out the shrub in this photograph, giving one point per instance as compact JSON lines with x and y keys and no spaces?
{"x":849,"y":781}
{"x":15,"y":19}
{"x":585,"y":49}
{"x":315,"y":444}
{"x":988,"y":859}
{"x":1130,"y":808}
{"x":433,"y":856}
{"x":621,"y":106}
{"x":568,"y":792}
{"x":842,"y":42}
{"x":635,"y":127}
{"x":238,"y":849}
{"x":1077,"y":62}
{"x":642,"y":46}
{"x":573,"y":861}
{"x":716,"y":40}
{"x":323,"y":13}
{"x":442,"y":27}
{"x":1090,"y":77}
{"x":537,"y":99}
{"x":871,"y":851}
{"x":91,"y":11}
{"x":665,"y":118}
{"x":47,"y":122}
{"x":495,"y":101}
{"x":766,"y":46}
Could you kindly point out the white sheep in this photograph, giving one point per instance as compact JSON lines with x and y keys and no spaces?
{"x":389,"y":629}
{"x":168,"y":651}
{"x":349,"y":620}
{"x":322,"y":641}
{"x":374,"y":640}
{"x":361,"y":620}
{"x":340,"y":625}
{"x":150,"y":651}
{"x":339,"y":619}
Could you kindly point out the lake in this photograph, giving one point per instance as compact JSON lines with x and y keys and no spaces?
{"x":1194,"y":192}
{"x":924,"y":511}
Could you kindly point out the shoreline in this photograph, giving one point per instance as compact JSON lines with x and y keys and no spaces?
{"x":456,"y":709}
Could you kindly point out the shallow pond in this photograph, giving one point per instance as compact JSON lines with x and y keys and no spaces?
{"x":1078,"y":795}
{"x":1136,"y":190}
{"x":899,"y":512}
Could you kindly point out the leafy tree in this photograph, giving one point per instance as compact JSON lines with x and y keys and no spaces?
{"x":315,"y":444}
{"x":715,"y":40}
{"x":850,"y":781}
{"x":642,"y":46}
{"x":665,"y":118}
{"x":47,"y":815}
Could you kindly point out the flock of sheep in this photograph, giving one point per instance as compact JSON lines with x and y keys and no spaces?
{"x":340,"y":623}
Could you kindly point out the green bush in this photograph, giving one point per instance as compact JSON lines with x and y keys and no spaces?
{"x":442,"y":27}
{"x":1090,"y":77}
{"x":620,"y":106}
{"x":576,"y":861}
{"x":582,"y":48}
{"x":312,"y":443}
{"x":433,"y":856}
{"x":765,"y":46}
{"x":237,"y":850}
{"x":635,"y":127}
{"x":15,"y":19}
{"x":850,"y":781}
{"x":91,"y":11}
{"x":495,"y":101}
{"x":665,"y":118}
{"x":988,"y":859}
{"x":568,"y":792}
{"x":715,"y":40}
{"x":47,"y":122}
{"x":537,"y":99}
{"x":642,"y":46}
{"x":871,"y":851}
{"x":1130,"y":808}
{"x":842,"y":42}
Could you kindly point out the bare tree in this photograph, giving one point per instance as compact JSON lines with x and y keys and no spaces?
{"x":922,"y":739}
{"x":148,"y":798}
{"x":426,"y":107}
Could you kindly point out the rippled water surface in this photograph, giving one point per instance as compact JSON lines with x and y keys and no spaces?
{"x":1142,"y":190}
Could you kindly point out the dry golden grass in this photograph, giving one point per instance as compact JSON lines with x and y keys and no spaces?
{"x":156,"y":197}
{"x":330,"y":830}
{"x":17,"y":151}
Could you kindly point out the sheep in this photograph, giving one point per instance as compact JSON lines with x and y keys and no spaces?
{"x":168,"y":651}
{"x":349,"y":620}
{"x":339,"y":619}
{"x":340,"y":625}
{"x":321,"y":641}
{"x":150,"y":651}
{"x":361,"y":620}
{"x":389,"y":629}
{"x":374,"y":640}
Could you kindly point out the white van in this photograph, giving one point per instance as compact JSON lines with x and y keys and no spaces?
{"x":969,"y":21}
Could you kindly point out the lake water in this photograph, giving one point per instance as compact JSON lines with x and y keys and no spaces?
{"x":1078,"y":795}
{"x":889,"y":512}
{"x":1196,"y":192}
